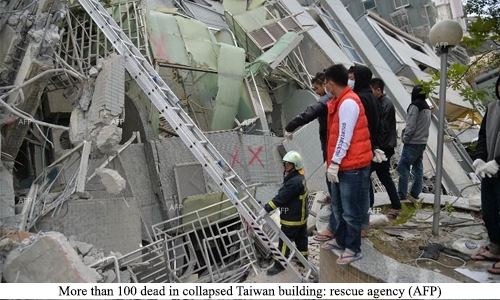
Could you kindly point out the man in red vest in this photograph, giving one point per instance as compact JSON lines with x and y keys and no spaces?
{"x":349,"y":156}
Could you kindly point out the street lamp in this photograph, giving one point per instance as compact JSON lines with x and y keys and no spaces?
{"x":443,"y":35}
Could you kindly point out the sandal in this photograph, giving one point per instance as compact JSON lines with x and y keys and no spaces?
{"x":493,"y":269}
{"x":321,"y":237}
{"x":481,"y":257}
{"x":331,"y":245}
{"x":349,"y":258}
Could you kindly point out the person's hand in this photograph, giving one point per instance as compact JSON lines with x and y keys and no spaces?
{"x":288,"y":136}
{"x":477,"y":165}
{"x":332,"y":174}
{"x":490,"y":168}
{"x":379,"y":156}
{"x":263,"y":213}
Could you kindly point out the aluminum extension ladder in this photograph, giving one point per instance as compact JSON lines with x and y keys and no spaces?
{"x":221,"y":172}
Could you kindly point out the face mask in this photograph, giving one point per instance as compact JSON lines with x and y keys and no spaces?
{"x":350,"y":83}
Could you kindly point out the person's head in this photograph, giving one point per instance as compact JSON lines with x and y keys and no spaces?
{"x":292,"y":161}
{"x":377,"y":85}
{"x":418,"y":93}
{"x":351,"y":81}
{"x":318,"y":83}
{"x":336,"y":77}
{"x":351,"y":73}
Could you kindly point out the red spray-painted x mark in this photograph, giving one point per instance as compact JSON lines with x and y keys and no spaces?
{"x":255,"y":156}
{"x":234,"y":157}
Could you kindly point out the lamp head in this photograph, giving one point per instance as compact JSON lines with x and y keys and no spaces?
{"x":446,"y":33}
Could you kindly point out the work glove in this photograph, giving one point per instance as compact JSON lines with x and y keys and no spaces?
{"x":490,"y":168}
{"x":262,"y":213}
{"x":379,"y":156}
{"x":288,"y":136}
{"x":332,"y":174}
{"x":477,"y":165}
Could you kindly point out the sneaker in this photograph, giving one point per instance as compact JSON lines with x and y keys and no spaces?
{"x":276,"y":268}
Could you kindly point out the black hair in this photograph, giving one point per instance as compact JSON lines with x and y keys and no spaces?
{"x":319,"y":78}
{"x":377,"y":83}
{"x":338,"y":74}
{"x":351,"y":70}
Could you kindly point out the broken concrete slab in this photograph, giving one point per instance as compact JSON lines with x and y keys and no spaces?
{"x":458,"y":202}
{"x":7,"y":200}
{"x":50,"y":258}
{"x":472,"y":232}
{"x":83,"y":248}
{"x":108,"y":139}
{"x":112,"y":180}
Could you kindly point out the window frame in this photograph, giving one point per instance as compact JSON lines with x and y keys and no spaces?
{"x":402,"y":5}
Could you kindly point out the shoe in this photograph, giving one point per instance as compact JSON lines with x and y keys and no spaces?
{"x":323,"y":237}
{"x":348,"y":258}
{"x":332,"y":244}
{"x":276,"y":268}
{"x":414,"y":199}
{"x":298,"y":262}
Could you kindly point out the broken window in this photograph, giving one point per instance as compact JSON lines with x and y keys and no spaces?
{"x":339,"y":37}
{"x":401,"y":21}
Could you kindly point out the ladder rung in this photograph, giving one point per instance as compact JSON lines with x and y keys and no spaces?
{"x":231,"y":177}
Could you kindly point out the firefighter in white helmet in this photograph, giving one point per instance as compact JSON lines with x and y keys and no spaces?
{"x":291,"y":200}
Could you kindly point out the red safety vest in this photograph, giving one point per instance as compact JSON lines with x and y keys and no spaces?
{"x":359,"y":154}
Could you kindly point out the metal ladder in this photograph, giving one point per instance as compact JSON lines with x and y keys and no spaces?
{"x":221,"y":172}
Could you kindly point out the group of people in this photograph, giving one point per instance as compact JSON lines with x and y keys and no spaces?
{"x":357,"y":130}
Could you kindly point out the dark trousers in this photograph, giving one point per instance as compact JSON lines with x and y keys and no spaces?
{"x":297,"y":234}
{"x":490,"y":209}
{"x":383,"y":171}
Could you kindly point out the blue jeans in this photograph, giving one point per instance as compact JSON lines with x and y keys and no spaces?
{"x":349,"y":198}
{"x":490,"y":210}
{"x":332,"y":222}
{"x":411,"y":157}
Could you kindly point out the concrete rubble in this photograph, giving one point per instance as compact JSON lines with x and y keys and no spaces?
{"x":102,"y":172}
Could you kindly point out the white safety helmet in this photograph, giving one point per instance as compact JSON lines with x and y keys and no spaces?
{"x":294,"y":158}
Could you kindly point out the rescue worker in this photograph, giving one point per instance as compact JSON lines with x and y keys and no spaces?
{"x":317,"y":110}
{"x":486,"y":165}
{"x":349,"y":157}
{"x":291,"y":200}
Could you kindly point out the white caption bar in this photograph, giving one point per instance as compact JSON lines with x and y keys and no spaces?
{"x":250,"y":291}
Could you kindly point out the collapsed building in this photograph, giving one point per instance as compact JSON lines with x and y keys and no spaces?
{"x":86,"y":153}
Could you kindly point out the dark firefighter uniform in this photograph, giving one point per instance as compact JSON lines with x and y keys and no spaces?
{"x":291,"y":200}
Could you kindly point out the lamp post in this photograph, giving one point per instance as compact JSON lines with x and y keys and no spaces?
{"x":443,"y":35}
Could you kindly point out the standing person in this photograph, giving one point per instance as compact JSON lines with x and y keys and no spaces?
{"x":348,"y":163}
{"x":486,"y":165}
{"x":317,"y":110}
{"x":362,"y":76}
{"x":292,"y":203}
{"x":414,"y":136}
{"x":387,"y":141}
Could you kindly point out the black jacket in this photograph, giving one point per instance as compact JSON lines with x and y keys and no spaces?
{"x":317,"y":110}
{"x":362,"y":76}
{"x":291,"y":200}
{"x":387,"y":134}
{"x":481,"y":148}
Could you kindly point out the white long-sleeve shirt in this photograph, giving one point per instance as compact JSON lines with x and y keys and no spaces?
{"x":348,"y":116}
